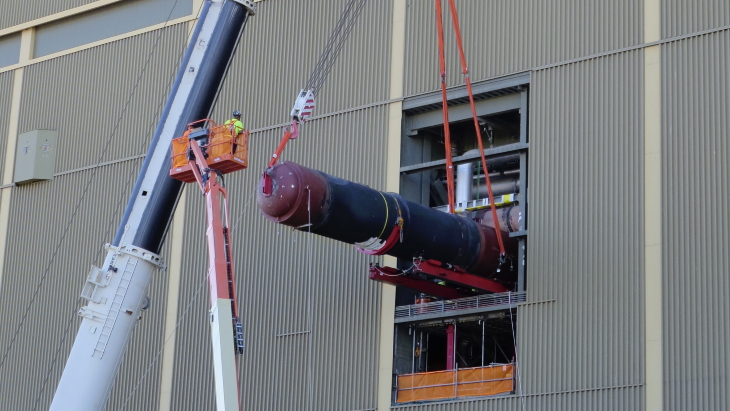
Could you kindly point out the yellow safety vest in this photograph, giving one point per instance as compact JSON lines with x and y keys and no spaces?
{"x":237,"y":124}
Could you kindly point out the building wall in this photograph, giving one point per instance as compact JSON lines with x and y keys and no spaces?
{"x":80,"y":95}
{"x":103,"y":105}
{"x":503,"y":37}
{"x":695,"y":187}
{"x":688,"y":16}
{"x":53,"y":239}
{"x":106,"y":22}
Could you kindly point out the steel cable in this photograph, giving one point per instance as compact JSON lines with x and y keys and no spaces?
{"x":336,"y":41}
{"x":342,"y":39}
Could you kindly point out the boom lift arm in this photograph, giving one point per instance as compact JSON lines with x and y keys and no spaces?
{"x":226,"y":330}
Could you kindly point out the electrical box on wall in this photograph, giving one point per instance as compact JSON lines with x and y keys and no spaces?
{"x":35,"y":159}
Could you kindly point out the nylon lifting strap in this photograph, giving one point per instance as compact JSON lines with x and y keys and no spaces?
{"x":447,"y":132}
{"x":465,"y":72}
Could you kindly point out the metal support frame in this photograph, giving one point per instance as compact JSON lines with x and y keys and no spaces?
{"x":396,"y":277}
{"x":458,"y":276}
{"x":451,"y":346}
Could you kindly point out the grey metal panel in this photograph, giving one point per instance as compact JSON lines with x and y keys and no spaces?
{"x":6,"y":94}
{"x":273,"y":265}
{"x":9,"y":50}
{"x":82,"y":95}
{"x":688,"y":16}
{"x":35,"y":156}
{"x":106,"y":22}
{"x":585,"y":247}
{"x":696,"y":209}
{"x":39,"y":213}
{"x":503,"y":37}
{"x":20,"y":11}
{"x":280,"y":49}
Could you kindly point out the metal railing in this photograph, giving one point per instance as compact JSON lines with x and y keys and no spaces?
{"x":510,"y":299}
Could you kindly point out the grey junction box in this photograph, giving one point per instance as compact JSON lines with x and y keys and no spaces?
{"x":35,"y":159}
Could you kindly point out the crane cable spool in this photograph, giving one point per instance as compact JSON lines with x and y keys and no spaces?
{"x":305,"y":101}
{"x":445,"y":108}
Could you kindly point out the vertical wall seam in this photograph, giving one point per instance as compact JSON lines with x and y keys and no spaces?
{"x":652,"y":208}
{"x":174,"y":272}
{"x":26,"y":46}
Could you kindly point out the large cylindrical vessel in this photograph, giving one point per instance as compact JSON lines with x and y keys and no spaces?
{"x":359,"y":215}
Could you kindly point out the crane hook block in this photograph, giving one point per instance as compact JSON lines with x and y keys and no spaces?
{"x":303,"y":106}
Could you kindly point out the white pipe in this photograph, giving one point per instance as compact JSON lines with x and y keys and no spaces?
{"x":464,"y":176}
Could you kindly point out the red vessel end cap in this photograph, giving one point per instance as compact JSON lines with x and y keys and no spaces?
{"x":293,"y":185}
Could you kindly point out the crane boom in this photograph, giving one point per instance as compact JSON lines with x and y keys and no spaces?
{"x":116,"y":292}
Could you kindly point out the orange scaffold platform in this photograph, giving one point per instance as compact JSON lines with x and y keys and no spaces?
{"x":226,"y":152}
{"x":464,"y":382}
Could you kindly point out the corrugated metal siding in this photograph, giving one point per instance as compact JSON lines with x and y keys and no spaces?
{"x":39,"y":215}
{"x":688,"y":16}
{"x":502,"y":37}
{"x":585,"y":224}
{"x":695,"y":239}
{"x":272,"y":265}
{"x":281,"y":46}
{"x":6,"y":94}
{"x":20,"y":11}
{"x":82,"y":95}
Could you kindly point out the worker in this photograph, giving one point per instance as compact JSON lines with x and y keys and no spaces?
{"x":236,"y":122}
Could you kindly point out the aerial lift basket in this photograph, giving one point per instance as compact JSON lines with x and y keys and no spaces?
{"x":226,"y":151}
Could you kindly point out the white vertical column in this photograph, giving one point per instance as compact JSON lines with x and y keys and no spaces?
{"x":392,"y":184}
{"x":26,"y":53}
{"x":174,"y":272}
{"x":464,"y":176}
{"x":653,"y":207}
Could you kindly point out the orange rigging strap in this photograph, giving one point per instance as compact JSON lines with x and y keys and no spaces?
{"x":465,"y":71}
{"x":447,"y":133}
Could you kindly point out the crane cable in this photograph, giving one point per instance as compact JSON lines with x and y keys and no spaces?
{"x":339,"y":35}
{"x":327,"y":59}
{"x":447,"y":140}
